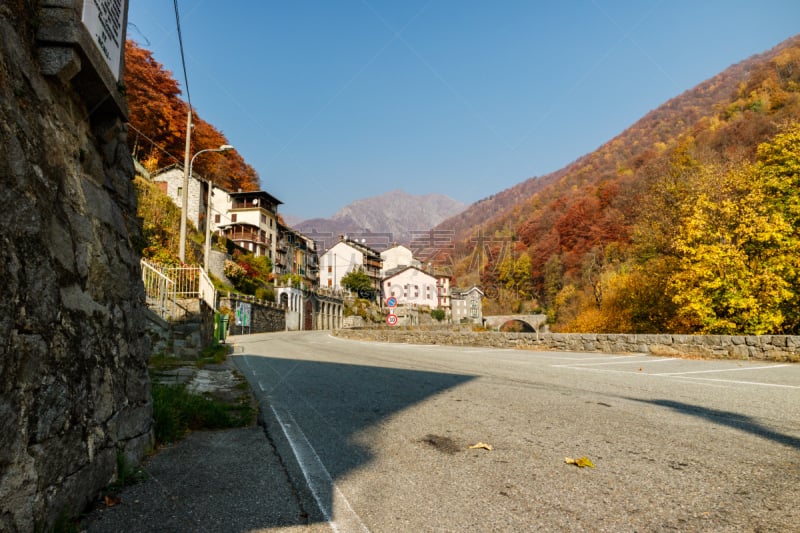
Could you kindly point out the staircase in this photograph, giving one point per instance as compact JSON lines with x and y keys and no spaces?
{"x":182,"y":301}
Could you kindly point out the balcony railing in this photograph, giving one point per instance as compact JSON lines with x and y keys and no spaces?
{"x":247,"y":235}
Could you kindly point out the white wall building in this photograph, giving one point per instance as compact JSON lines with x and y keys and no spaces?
{"x":346,"y":256}
{"x":397,"y":256}
{"x":252,"y":222}
{"x":411,"y":286}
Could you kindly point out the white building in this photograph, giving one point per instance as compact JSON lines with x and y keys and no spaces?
{"x":411,"y":286}
{"x":251,"y":221}
{"x":466,"y":305}
{"x":346,"y":256}
{"x":397,"y":256}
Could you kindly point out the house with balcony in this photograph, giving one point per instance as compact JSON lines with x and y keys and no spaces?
{"x":296,"y":253}
{"x":251,"y":221}
{"x":346,"y":256}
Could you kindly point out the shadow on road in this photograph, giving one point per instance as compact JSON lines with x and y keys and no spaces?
{"x":727,"y":418}
{"x":335,"y":406}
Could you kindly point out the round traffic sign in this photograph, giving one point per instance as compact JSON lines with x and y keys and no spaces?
{"x":391,"y":319}
{"x":391,"y":302}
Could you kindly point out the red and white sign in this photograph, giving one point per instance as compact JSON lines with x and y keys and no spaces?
{"x":391,"y":319}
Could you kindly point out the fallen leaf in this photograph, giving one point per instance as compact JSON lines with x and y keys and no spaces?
{"x":581,"y":462}
{"x":481,"y":445}
{"x":111,"y":501}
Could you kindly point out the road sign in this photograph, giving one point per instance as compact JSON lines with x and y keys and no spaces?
{"x":391,"y":302}
{"x":391,"y":319}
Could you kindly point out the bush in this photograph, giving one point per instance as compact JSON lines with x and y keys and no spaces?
{"x":437,"y":314}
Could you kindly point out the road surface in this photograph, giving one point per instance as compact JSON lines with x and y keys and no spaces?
{"x":379,"y":435}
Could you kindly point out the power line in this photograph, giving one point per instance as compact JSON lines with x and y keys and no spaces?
{"x":183,"y":59}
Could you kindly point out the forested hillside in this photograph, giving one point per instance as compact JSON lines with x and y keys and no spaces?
{"x":158,"y":120}
{"x":689,"y":221}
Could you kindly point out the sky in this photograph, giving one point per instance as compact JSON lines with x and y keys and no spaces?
{"x":337,"y":100}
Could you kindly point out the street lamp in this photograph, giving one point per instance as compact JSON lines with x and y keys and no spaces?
{"x":207,"y":251}
{"x":185,"y":202}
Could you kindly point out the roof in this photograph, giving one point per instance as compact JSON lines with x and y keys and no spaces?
{"x":399,"y":270}
{"x":261,"y":195}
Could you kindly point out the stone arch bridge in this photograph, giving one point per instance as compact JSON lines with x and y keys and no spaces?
{"x":495,"y":322}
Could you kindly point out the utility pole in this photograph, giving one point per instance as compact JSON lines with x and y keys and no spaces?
{"x":185,"y":192}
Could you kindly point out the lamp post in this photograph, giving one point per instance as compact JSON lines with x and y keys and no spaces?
{"x":185,"y":200}
{"x":207,"y":251}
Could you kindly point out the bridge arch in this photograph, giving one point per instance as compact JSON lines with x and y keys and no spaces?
{"x":536,"y":323}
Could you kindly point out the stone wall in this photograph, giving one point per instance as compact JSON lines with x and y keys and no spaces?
{"x":762,"y":347}
{"x":74,"y":387}
{"x":266,"y":316}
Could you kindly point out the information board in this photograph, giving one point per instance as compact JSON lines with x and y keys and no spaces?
{"x":105,"y":20}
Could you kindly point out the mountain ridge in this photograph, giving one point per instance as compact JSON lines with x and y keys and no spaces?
{"x":392,"y":217}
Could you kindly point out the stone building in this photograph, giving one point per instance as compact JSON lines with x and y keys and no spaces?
{"x":466,"y":305}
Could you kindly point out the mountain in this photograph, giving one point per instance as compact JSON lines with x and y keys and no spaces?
{"x":606,"y":243}
{"x":395,"y":216}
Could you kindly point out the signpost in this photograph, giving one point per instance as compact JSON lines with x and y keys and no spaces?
{"x":391,"y":303}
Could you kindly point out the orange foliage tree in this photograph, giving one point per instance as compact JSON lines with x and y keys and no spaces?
{"x":158,"y":116}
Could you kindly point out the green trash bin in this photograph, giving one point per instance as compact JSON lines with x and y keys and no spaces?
{"x":223,"y":327}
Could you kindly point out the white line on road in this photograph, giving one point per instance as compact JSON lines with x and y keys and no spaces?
{"x":769,"y":367}
{"x":635,"y":361}
{"x":737,"y":382}
{"x":326,"y":492}
{"x":679,"y":377}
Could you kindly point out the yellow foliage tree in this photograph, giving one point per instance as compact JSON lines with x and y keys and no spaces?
{"x":734,"y":248}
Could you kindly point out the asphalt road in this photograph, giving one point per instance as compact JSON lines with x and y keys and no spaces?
{"x":379,"y":434}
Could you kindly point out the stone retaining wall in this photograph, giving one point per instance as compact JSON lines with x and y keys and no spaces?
{"x":267,"y":317}
{"x":74,"y":389}
{"x":762,"y":347}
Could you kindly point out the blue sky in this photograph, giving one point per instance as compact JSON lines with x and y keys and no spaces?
{"x":337,"y":100}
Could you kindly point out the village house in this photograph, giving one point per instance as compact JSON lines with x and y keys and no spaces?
{"x":411,"y":286}
{"x":296,"y":254}
{"x":466,"y":305}
{"x":346,"y":256}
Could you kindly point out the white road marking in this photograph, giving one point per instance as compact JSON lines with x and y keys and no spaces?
{"x":769,"y":367}
{"x":633,"y":362}
{"x":326,"y":493}
{"x":682,"y":376}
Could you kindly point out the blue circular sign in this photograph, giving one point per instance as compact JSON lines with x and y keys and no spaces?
{"x":391,"y":302}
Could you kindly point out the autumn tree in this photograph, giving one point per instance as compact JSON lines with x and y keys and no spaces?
{"x":158,"y":116}
{"x":737,"y":255}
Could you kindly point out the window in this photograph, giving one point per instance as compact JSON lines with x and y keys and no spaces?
{"x":330,"y":282}
{"x":263,"y":218}
{"x":216,"y":219}
{"x":233,"y":217}
{"x":330,"y":269}
{"x":473,"y":309}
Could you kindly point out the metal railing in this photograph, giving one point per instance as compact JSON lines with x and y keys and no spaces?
{"x":166,"y":286}
{"x":159,"y":290}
